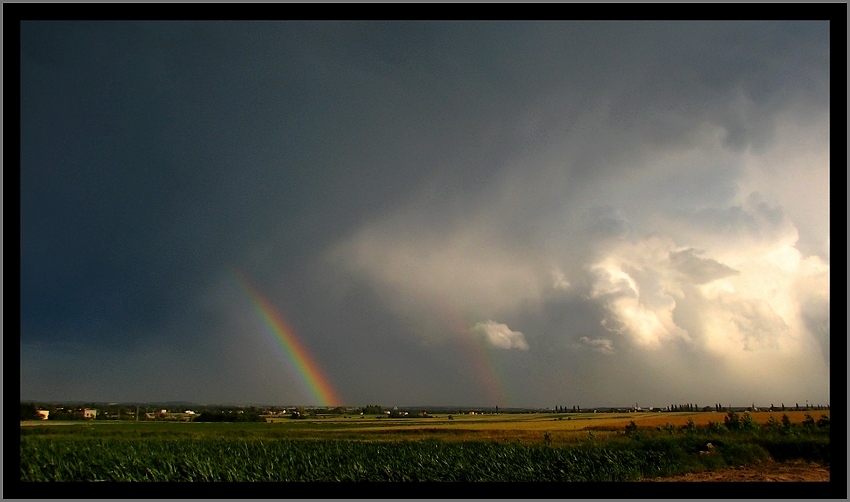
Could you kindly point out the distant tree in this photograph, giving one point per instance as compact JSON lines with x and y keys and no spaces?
{"x":28,"y":411}
{"x":251,"y":416}
{"x":783,"y":406}
{"x":372,"y":409}
{"x":210,"y":416}
{"x":64,"y":414}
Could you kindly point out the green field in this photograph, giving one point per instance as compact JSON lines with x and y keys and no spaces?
{"x":527,"y":447}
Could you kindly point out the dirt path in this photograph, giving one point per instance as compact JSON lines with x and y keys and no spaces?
{"x":765,"y":471}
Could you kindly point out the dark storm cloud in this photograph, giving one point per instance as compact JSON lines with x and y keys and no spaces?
{"x":390,"y":186}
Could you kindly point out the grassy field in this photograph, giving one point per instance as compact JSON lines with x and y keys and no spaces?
{"x":520,"y":447}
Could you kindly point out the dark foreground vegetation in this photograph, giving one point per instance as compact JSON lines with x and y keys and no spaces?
{"x":626,"y":455}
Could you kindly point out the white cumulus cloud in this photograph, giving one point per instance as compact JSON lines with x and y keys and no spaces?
{"x":500,"y":335}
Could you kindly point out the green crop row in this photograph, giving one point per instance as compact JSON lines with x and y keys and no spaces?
{"x":234,"y":459}
{"x":326,"y":460}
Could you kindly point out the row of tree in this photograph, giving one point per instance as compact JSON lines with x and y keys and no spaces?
{"x":219,"y":416}
{"x":563,"y":409}
{"x":717,"y":407}
{"x":372,"y":409}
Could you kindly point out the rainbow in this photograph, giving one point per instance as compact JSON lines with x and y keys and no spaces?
{"x":312,"y":375}
{"x":477,"y":354}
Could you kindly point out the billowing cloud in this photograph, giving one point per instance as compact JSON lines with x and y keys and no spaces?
{"x":601,"y":345}
{"x":654,"y":193}
{"x":699,"y":270}
{"x":500,"y":335}
{"x":639,"y":294}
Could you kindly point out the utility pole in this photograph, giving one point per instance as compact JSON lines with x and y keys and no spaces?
{"x":137,"y":413}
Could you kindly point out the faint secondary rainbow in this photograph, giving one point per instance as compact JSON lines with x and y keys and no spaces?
{"x":477,"y":355}
{"x":313,"y":377}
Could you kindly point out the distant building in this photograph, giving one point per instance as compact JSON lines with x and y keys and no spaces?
{"x":89,"y":413}
{"x":42,"y":414}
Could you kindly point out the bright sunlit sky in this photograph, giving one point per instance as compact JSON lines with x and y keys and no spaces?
{"x":512,"y":214}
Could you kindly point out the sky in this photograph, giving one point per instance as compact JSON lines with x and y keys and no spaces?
{"x":512,"y":214}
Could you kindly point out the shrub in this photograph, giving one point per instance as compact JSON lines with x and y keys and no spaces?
{"x":808,"y":422}
{"x":741,"y":453}
{"x":785,"y":447}
{"x":772,"y":424}
{"x":748,"y":423}
{"x":732,"y":421}
{"x":716,"y":427}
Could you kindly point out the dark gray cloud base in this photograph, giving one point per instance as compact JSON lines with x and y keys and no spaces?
{"x":600,"y":212}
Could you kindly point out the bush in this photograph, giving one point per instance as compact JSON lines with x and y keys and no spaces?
{"x":772,"y":424}
{"x":748,"y":423}
{"x":732,"y":421}
{"x":28,"y":412}
{"x":741,"y":453}
{"x":716,"y":427}
{"x":808,"y":447}
{"x":808,"y":422}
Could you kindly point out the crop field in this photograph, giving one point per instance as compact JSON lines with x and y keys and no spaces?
{"x":521,"y":447}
